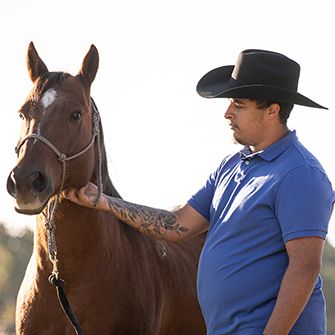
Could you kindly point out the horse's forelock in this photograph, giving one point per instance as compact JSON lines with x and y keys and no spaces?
{"x":48,"y":80}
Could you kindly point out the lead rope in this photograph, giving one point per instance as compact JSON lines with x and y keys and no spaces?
{"x":49,"y":216}
{"x":54,"y":278}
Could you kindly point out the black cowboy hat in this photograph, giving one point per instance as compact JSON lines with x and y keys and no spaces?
{"x":258,"y":74}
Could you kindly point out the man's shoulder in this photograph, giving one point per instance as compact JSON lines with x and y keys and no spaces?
{"x":297,"y":156}
{"x":304,"y":171}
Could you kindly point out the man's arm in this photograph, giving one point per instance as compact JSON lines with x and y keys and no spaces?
{"x":305,"y":256}
{"x":176,"y":225}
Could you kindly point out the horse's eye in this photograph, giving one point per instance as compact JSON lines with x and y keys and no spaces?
{"x":76,"y":116}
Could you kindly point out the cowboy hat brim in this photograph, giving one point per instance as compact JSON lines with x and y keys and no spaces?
{"x":218,"y":83}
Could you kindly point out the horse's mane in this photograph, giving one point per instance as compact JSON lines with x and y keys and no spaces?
{"x":50,"y":79}
{"x":108,"y":187}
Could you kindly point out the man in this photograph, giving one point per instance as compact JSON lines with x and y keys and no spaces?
{"x":266,"y":209}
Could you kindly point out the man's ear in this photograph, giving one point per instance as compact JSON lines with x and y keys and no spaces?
{"x":273,"y":111}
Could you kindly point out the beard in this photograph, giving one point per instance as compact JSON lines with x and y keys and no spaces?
{"x":238,"y":140}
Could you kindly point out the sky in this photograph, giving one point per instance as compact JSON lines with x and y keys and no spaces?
{"x":162,"y":139}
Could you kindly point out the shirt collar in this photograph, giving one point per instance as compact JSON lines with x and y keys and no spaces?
{"x":273,"y":151}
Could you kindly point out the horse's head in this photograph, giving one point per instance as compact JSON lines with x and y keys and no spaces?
{"x":56,"y":124}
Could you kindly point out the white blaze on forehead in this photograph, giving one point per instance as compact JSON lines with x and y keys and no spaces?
{"x":48,"y":97}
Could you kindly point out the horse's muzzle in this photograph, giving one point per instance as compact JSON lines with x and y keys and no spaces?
{"x":31,"y":191}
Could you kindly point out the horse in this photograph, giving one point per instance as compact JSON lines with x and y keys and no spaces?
{"x":118,"y":281}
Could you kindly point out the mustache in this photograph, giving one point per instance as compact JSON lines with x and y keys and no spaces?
{"x":232,"y":125}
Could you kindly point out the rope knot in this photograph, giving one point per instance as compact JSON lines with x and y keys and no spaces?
{"x":62,"y":158}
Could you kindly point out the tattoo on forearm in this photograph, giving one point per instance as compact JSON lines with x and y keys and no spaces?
{"x":152,"y":221}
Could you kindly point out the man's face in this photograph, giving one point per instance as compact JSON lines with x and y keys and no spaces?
{"x":249,"y":123}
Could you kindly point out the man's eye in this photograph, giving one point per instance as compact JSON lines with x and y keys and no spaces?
{"x":21,"y":116}
{"x":76,"y":116}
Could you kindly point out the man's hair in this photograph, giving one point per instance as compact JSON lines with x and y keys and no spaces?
{"x":284,"y":112}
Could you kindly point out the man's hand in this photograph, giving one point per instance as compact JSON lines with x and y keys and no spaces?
{"x":84,"y":196}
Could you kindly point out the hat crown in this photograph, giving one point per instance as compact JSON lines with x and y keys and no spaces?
{"x":261,"y":67}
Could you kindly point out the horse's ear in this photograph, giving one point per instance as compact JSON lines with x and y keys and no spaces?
{"x":36,"y":66}
{"x":90,"y":65}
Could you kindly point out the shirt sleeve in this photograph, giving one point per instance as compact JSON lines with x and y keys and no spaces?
{"x":304,"y":203}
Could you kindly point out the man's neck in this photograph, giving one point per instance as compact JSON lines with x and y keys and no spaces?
{"x":274,"y":135}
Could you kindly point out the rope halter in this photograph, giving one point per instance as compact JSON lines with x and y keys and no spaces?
{"x":63,"y":159}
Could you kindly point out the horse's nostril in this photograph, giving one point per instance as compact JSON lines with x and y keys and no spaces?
{"x":38,"y":182}
{"x":11,"y":184}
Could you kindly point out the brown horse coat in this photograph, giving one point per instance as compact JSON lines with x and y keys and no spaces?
{"x":118,"y":281}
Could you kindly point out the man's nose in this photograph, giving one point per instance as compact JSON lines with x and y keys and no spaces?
{"x":229,"y":114}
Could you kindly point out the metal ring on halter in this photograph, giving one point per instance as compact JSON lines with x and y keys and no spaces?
{"x":62,"y":158}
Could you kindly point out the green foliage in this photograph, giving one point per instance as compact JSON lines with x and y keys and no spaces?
{"x":15,"y":253}
{"x":14,"y":256}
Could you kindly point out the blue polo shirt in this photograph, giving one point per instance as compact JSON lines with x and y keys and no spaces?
{"x":255,"y":203}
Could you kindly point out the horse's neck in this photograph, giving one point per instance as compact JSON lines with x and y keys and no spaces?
{"x":80,"y":233}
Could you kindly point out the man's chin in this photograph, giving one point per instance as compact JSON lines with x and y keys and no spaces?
{"x":237,"y":140}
